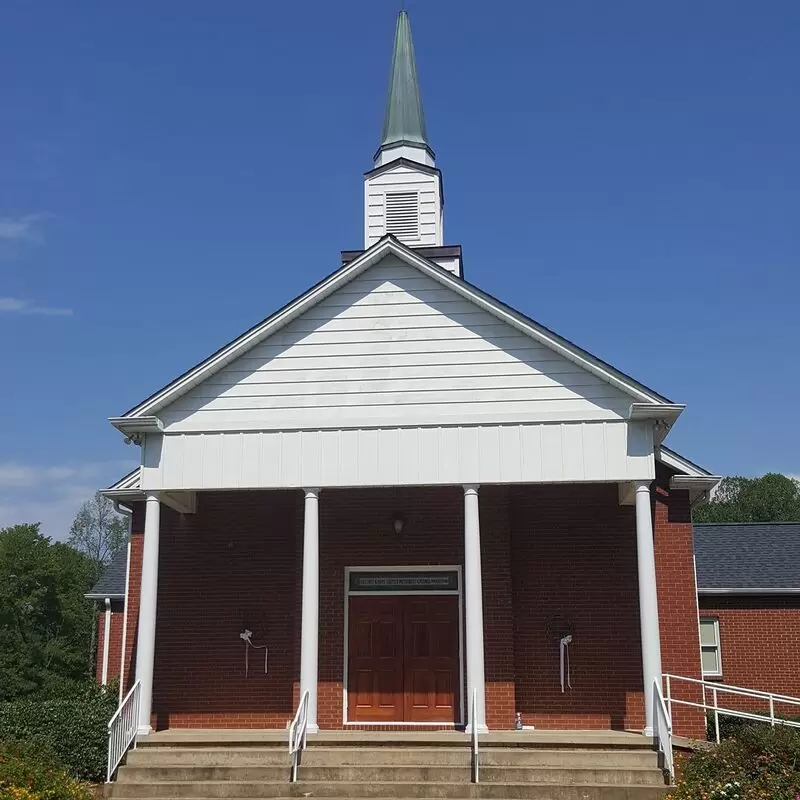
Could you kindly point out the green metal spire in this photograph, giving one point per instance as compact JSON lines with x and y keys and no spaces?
{"x":404,"y":120}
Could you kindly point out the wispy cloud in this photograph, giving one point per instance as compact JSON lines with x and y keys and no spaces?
{"x":52,"y":494}
{"x":21,"y":229}
{"x":13,"y":305}
{"x":24,"y":476}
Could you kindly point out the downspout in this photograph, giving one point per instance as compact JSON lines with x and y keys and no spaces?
{"x":106,"y":641}
{"x":127,"y":512}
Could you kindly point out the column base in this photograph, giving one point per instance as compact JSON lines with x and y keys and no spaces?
{"x":312,"y":728}
{"x":481,"y":729}
{"x":144,"y":730}
{"x":648,"y":732}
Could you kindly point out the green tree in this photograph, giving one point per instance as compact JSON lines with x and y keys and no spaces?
{"x":45,"y":621}
{"x":98,"y":531}
{"x":770,"y":498}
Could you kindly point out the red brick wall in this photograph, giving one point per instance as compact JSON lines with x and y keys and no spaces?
{"x":760,"y":643}
{"x":573,"y":555}
{"x":498,"y":606}
{"x":230,"y":566}
{"x":677,"y":598}
{"x":134,"y":589}
{"x":115,"y":639}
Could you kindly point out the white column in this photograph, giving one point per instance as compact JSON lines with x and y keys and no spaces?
{"x":309,"y":645}
{"x":146,"y":641}
{"x":106,"y":641}
{"x":648,"y":600}
{"x":473,"y":605}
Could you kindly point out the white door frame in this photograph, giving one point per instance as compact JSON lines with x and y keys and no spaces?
{"x":417,"y":568}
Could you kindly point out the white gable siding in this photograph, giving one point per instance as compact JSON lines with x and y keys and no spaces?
{"x":403,"y":179}
{"x":394,"y":348}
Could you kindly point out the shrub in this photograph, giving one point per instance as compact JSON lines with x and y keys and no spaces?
{"x":730,"y":726}
{"x":759,"y":763}
{"x":28,"y":772}
{"x":70,"y":723}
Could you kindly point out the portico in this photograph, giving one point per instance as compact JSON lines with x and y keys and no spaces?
{"x":333,"y":535}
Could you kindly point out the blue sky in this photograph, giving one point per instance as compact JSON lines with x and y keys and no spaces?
{"x":626,"y":173}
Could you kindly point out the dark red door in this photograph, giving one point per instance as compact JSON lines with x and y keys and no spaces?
{"x":431,"y":659}
{"x":403,"y":660}
{"x":375,"y":656}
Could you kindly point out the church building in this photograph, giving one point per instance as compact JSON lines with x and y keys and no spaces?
{"x":407,"y":502}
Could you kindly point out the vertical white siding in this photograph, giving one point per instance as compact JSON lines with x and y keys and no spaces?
{"x":523,"y":453}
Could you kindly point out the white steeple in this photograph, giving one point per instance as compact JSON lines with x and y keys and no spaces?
{"x":403,"y":193}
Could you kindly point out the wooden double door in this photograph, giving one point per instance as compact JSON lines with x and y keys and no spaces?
{"x":403,"y":659}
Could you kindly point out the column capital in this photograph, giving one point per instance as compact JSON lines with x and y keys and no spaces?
{"x":311,"y":491}
{"x":156,"y":496}
{"x":471,"y":488}
{"x":642,"y":486}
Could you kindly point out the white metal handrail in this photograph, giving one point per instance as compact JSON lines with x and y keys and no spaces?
{"x":122,"y":729}
{"x":298,"y":733}
{"x":472,"y":715}
{"x":663,"y":730}
{"x":721,"y":688}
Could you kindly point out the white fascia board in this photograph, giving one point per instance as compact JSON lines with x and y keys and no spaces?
{"x":748,"y":591}
{"x":347,"y":273}
{"x":669,"y":458}
{"x":666,"y":413}
{"x":702,"y":483}
{"x":132,"y":426}
{"x":123,"y":494}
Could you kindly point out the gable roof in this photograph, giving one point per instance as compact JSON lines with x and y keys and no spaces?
{"x":747,"y":558}
{"x":112,"y":581}
{"x":639,"y":393}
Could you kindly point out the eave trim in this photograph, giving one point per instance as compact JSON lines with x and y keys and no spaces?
{"x":681,"y":464}
{"x":105,"y":596}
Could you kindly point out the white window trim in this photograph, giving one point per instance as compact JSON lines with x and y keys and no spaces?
{"x":717,"y":645}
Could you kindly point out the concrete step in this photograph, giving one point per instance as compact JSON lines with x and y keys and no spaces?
{"x":638,"y":776}
{"x":387,"y":791}
{"x":392,"y":756}
{"x":209,"y":756}
{"x":547,"y":739}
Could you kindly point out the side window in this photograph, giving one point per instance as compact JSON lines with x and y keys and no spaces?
{"x":710,"y":654}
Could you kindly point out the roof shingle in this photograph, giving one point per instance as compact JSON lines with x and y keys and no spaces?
{"x":747,"y":555}
{"x":112,"y":581}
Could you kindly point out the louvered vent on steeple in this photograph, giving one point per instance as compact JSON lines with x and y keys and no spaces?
{"x":402,"y":215}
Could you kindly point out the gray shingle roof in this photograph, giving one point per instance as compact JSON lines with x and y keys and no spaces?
{"x":112,"y":581}
{"x":748,"y":556}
